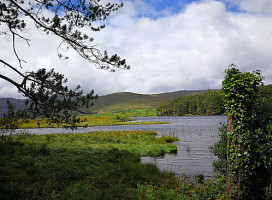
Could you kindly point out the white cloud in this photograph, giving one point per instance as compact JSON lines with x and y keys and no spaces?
{"x":187,"y":50}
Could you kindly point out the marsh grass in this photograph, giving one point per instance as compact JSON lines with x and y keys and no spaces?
{"x":84,"y":122}
{"x":182,"y":188}
{"x":94,"y":165}
{"x":127,"y":113}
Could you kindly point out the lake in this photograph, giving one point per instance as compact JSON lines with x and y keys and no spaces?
{"x":196,"y":134}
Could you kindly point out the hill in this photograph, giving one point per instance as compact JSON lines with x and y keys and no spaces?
{"x":125,"y":101}
{"x":122,"y":101}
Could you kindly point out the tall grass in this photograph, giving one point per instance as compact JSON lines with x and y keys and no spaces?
{"x":94,"y":165}
{"x":84,"y":121}
{"x":127,"y":113}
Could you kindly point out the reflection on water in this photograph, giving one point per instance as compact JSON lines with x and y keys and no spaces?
{"x":196,"y":134}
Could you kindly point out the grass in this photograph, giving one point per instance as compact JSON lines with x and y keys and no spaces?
{"x":85,"y":121}
{"x":127,"y":113}
{"x":138,"y":142}
{"x":94,"y":165}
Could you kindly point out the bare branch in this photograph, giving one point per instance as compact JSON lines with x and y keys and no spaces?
{"x":15,"y":52}
{"x":11,"y":67}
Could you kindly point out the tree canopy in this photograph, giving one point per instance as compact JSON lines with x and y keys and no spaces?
{"x":210,"y":103}
{"x":72,"y":21}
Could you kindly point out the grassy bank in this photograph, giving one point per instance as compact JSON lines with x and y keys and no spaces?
{"x":103,"y":120}
{"x":95,"y":165}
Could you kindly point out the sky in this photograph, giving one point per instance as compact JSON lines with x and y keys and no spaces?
{"x":170,"y":45}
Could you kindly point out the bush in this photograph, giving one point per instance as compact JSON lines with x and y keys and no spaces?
{"x":121,"y":118}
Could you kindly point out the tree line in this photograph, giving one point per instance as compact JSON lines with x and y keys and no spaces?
{"x":210,"y":103}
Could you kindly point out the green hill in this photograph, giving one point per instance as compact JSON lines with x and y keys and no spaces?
{"x":125,"y":101}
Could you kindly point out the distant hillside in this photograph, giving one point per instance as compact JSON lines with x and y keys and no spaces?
{"x":19,"y":103}
{"x":122,"y":101}
{"x":129,"y":101}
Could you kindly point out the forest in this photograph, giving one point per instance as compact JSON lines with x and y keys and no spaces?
{"x":210,"y":103}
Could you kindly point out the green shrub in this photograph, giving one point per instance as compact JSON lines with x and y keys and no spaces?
{"x":121,"y":118}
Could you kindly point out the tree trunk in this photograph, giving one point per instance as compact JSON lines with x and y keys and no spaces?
{"x":229,"y":129}
{"x":228,"y":175}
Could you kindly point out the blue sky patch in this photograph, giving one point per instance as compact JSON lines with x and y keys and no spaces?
{"x":172,"y":5}
{"x":160,"y":8}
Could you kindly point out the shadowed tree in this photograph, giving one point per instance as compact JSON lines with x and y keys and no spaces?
{"x":71,"y":22}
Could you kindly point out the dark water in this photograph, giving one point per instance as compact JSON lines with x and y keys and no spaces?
{"x":196,"y":134}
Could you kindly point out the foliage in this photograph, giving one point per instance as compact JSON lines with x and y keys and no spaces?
{"x":49,"y":96}
{"x":220,"y":150}
{"x":120,"y":118}
{"x":10,"y":121}
{"x":240,"y":91}
{"x":184,"y":189}
{"x":257,"y":169}
{"x":210,"y":103}
{"x":262,"y":115}
{"x":54,"y":101}
{"x":263,"y":107}
{"x":244,"y":148}
{"x":89,"y":166}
